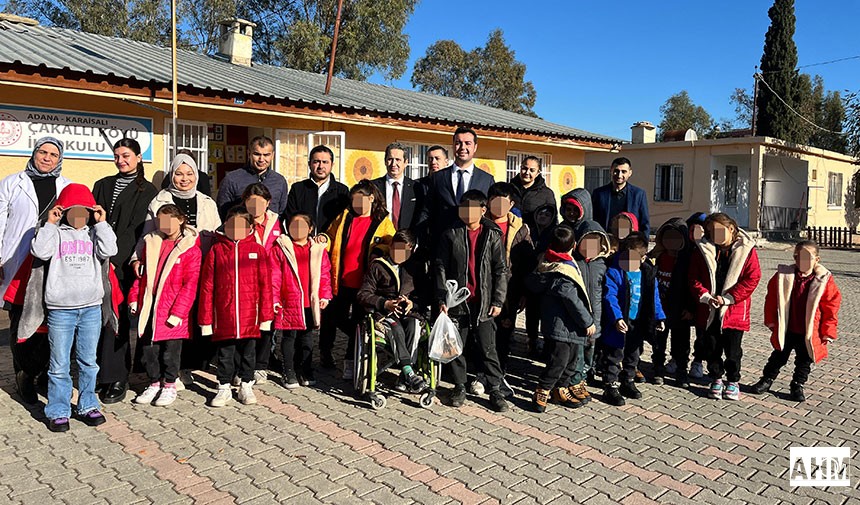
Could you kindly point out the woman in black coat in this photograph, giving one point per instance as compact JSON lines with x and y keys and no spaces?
{"x":532,"y":192}
{"x":125,"y":197}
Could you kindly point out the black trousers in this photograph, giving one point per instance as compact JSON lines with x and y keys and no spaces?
{"x":402,"y":332}
{"x":225,"y":359}
{"x":565,"y":361}
{"x":343,"y":313}
{"x":31,"y":355}
{"x":161,"y":359}
{"x":114,"y":351}
{"x":484,"y":335}
{"x":716,"y":343}
{"x":532,"y":317}
{"x":680,"y":339}
{"x":505,"y":326}
{"x":264,"y":350}
{"x":297,"y":350}
{"x":199,"y":351}
{"x":802,"y":361}
{"x":619,"y":364}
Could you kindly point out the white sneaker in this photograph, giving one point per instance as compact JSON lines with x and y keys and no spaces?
{"x":476,"y":387}
{"x":261,"y":376}
{"x":237,"y":381}
{"x":696,"y":370}
{"x":246,"y":394}
{"x":223,"y":397}
{"x":178,"y":385}
{"x":148,"y":394}
{"x":671,"y":367}
{"x":347,"y":369}
{"x":167,"y":396}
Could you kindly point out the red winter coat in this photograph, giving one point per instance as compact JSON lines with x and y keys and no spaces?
{"x":272,"y":232}
{"x":173,"y":293}
{"x":287,"y":288}
{"x":822,"y":306}
{"x":241,"y":305}
{"x":741,"y":280}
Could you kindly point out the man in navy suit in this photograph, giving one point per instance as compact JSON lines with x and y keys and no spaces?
{"x":620,"y":196}
{"x":403,"y":196}
{"x":448,"y":185}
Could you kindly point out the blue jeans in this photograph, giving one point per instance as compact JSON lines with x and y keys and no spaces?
{"x":63,"y":326}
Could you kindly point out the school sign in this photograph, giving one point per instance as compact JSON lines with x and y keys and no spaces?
{"x":84,"y":135}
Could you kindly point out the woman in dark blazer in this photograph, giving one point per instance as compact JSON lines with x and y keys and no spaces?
{"x":125,"y":196}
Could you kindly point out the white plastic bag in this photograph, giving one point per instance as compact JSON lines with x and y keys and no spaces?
{"x":445,"y":342}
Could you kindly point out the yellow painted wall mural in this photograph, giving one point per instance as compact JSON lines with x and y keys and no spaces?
{"x":566,"y":179}
{"x":363,"y":165}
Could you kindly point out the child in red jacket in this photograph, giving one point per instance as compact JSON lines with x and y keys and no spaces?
{"x":162,"y":298}
{"x":724,"y":272}
{"x":801,"y":310}
{"x":240,"y":307}
{"x":301,"y":289}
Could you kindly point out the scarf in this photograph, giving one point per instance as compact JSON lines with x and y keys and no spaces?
{"x":181,"y":159}
{"x":557,"y":257}
{"x":34,"y":172}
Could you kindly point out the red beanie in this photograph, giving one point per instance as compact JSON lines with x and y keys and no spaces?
{"x":76,"y":195}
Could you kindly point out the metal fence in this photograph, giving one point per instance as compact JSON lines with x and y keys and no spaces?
{"x":831,"y":237}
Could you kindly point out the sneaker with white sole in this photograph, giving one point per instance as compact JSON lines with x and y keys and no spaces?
{"x":697,"y":371}
{"x":671,"y":367}
{"x":236,"y":382}
{"x":246,"y":393}
{"x":167,"y":396}
{"x":148,"y":395}
{"x":716,"y":390}
{"x":732,"y":391}
{"x":477,"y":387}
{"x":261,"y":376}
{"x":223,"y":396}
{"x":347,"y":369}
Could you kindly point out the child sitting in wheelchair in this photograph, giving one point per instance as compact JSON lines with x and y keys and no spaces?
{"x":391,"y":292}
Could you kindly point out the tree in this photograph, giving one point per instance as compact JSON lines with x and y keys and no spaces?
{"x":851,"y":103}
{"x":488,"y":75}
{"x":742,"y":101}
{"x":778,"y":70}
{"x":680,"y":113}
{"x":200,"y":22}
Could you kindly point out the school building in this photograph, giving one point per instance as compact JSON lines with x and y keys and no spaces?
{"x":767,"y":185}
{"x":90,"y":90}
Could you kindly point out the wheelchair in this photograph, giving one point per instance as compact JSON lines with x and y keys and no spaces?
{"x":374,"y":354}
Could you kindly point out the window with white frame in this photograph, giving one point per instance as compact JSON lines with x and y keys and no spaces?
{"x":292,"y":148}
{"x":191,"y":135}
{"x":668,"y":183}
{"x":416,"y":159}
{"x":515,"y":162}
{"x":731,"y":185}
{"x":834,"y":189}
{"x":596,"y":177}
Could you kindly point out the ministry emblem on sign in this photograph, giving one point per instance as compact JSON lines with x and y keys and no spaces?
{"x":10,"y":129}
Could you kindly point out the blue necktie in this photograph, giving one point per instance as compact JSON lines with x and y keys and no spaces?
{"x":460,"y":186}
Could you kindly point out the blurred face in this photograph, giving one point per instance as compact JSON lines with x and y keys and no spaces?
{"x":464,"y":148}
{"x":236,"y":228}
{"x":721,"y":235}
{"x":589,"y":246}
{"x":620,"y":174}
{"x":436,"y":160}
{"x":46,"y":158}
{"x":184,"y":178}
{"x":805,"y":259}
{"x":622,"y":228}
{"x":400,"y":252}
{"x":320,"y":166}
{"x":260,"y":157}
{"x":630,"y":261}
{"x":697,"y":231}
{"x":529,"y":172}
{"x":570,"y":213}
{"x":395,"y":162}
{"x":125,"y":160}
{"x":500,"y":206}
{"x":77,"y":216}
{"x":256,"y":205}
{"x":169,"y":225}
{"x":471,"y":213}
{"x":362,"y":204}
{"x":544,"y":218}
{"x":673,"y":240}
{"x":299,"y":229}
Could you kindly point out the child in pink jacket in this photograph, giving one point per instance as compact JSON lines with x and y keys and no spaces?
{"x":162,"y":298}
{"x":301,"y":288}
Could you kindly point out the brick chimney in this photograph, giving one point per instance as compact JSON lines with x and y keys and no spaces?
{"x":643,"y":132}
{"x":235,"y":40}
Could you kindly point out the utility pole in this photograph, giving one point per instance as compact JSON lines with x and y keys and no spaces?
{"x":755,"y":100}
{"x":174,"y":72}
{"x":333,"y":47}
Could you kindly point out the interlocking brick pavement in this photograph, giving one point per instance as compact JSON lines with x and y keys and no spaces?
{"x":320,"y":445}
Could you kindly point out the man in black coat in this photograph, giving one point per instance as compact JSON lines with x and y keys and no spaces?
{"x":319,"y":196}
{"x":403,"y":196}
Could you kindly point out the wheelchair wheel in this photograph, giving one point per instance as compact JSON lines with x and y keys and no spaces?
{"x":426,"y":399}
{"x":361,"y":359}
{"x":378,"y":401}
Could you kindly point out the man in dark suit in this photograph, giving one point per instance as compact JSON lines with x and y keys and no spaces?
{"x":448,"y":185}
{"x":319,"y":196}
{"x":403,"y":196}
{"x":620,"y":196}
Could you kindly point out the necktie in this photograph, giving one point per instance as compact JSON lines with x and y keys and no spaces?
{"x":460,"y":186}
{"x":395,"y":204}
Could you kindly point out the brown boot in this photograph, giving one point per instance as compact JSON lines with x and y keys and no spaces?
{"x":579,"y":392}
{"x":563,"y":397}
{"x":540,"y":399}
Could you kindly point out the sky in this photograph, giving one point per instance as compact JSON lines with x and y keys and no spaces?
{"x":602,"y":66}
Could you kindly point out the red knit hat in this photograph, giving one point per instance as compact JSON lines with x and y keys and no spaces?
{"x":76,"y":195}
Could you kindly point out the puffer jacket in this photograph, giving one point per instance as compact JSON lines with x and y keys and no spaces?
{"x":452,"y":262}
{"x":565,"y":306}
{"x":287,"y":286}
{"x":243,"y":305}
{"x":581,"y":198}
{"x":378,"y":239}
{"x":593,"y":269}
{"x":616,"y":304}
{"x":676,"y":297}
{"x":822,"y":306}
{"x":530,"y":199}
{"x":742,"y":278}
{"x":384,"y":282}
{"x":168,"y":298}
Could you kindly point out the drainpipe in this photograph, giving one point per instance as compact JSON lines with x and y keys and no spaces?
{"x":333,"y":46}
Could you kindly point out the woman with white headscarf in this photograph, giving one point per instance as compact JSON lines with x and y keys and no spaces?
{"x":25,"y":199}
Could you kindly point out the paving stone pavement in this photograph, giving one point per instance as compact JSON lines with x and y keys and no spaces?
{"x":320,"y":445}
